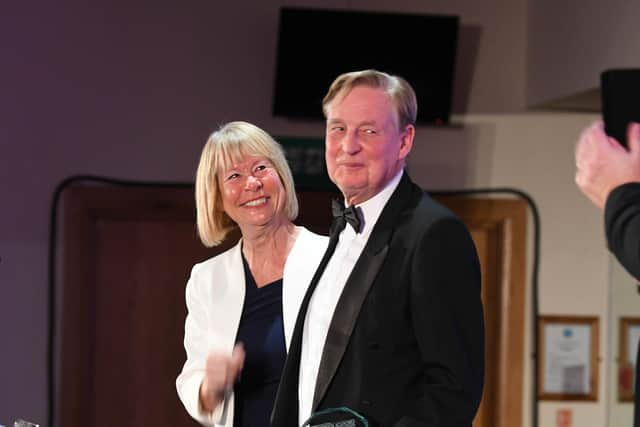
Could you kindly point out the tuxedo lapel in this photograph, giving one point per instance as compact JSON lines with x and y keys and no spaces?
{"x":285,"y":409}
{"x":344,"y":318}
{"x":358,"y":285}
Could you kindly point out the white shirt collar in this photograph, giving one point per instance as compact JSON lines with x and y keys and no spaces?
{"x":372,"y":208}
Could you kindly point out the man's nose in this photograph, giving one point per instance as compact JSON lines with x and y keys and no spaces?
{"x":351,"y":143}
{"x":253,"y":183}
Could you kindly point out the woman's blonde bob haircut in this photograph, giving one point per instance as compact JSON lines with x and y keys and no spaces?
{"x":226,"y":146}
{"x":398,"y":89}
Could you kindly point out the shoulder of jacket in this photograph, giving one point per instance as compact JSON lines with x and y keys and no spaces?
{"x":307,"y":236}
{"x":215,"y":262}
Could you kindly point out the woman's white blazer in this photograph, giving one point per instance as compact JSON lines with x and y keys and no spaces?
{"x":215,"y":296}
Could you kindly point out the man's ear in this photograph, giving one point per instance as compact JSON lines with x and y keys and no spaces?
{"x":406,"y":141}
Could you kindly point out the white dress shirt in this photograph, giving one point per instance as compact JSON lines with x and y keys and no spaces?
{"x":327,"y":293}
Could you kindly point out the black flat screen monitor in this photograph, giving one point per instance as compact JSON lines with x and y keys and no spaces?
{"x":317,"y":45}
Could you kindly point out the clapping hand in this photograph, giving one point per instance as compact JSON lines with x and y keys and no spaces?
{"x":221,"y":373}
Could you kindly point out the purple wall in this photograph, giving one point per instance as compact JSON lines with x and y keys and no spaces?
{"x":131,"y":89}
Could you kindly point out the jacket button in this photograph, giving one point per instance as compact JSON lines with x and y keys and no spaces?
{"x":366,"y":402}
{"x":374,"y":346}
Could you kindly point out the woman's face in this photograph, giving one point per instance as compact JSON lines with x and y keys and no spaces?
{"x":251,"y":191}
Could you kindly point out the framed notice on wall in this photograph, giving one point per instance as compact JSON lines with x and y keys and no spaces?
{"x":627,"y":349}
{"x":568,"y":362}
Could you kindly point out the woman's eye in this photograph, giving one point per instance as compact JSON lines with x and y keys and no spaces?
{"x":370,"y":131}
{"x":260,"y":168}
{"x":232,"y":176}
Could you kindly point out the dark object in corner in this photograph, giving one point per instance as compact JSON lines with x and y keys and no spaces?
{"x":620,"y":94}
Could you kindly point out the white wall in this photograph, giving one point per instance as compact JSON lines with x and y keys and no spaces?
{"x":132,"y":89}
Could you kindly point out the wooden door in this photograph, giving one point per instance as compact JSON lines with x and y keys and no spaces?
{"x":126,"y":257}
{"x":498,"y":228}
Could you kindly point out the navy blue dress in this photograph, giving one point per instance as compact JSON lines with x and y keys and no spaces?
{"x":261,"y":331}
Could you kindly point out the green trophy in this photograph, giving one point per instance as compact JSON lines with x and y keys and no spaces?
{"x":336,"y":417}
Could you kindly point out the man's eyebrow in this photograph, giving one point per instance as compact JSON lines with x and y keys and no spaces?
{"x":363,"y":123}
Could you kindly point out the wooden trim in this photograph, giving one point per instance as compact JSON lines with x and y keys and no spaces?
{"x":626,"y":366}
{"x":74,"y":360}
{"x":593,"y":323}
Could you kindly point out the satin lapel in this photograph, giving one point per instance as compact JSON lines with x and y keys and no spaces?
{"x":358,"y":285}
{"x":344,"y":318}
{"x":285,"y":408}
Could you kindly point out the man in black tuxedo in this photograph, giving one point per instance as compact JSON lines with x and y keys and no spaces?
{"x":609,"y":175}
{"x":392,"y":328}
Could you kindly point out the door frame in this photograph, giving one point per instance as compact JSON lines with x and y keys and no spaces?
{"x":506,"y":219}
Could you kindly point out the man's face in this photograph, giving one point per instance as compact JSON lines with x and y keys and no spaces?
{"x":364,"y":147}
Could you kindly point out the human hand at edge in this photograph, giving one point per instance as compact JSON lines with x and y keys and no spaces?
{"x":603,"y":164}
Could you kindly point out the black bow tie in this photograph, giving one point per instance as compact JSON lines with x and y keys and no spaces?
{"x":341,"y":216}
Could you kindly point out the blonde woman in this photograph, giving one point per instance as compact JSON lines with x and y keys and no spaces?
{"x":242,"y":304}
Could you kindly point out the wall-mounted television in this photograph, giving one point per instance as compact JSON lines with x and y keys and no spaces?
{"x":316,"y":45}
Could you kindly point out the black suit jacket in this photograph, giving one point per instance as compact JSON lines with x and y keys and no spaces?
{"x":622,"y":225}
{"x":406,"y":343}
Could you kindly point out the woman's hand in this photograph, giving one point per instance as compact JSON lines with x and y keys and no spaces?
{"x":221,"y":373}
